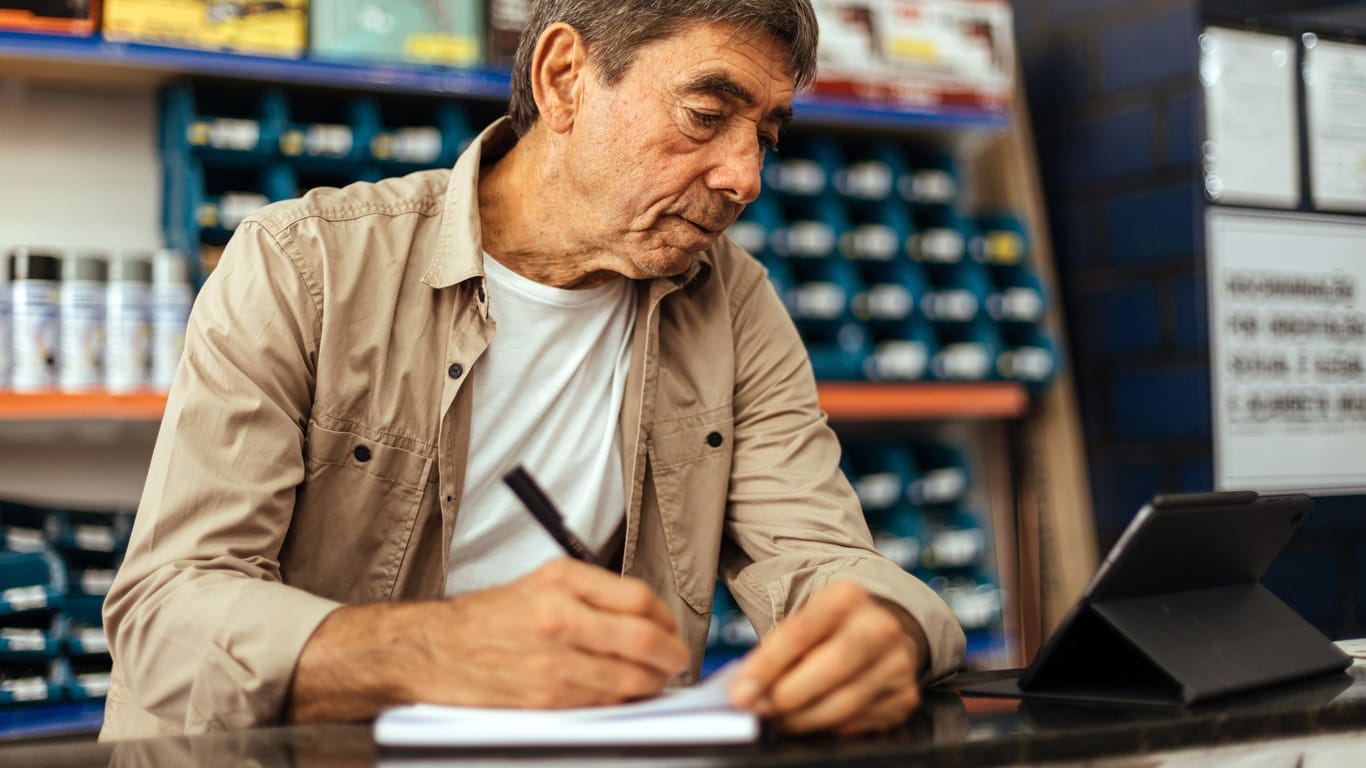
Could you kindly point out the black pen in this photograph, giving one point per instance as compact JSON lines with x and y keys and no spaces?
{"x":543,"y":509}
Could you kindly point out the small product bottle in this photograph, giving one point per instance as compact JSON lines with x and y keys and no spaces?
{"x":172,"y":297}
{"x":35,"y":287}
{"x":128,"y":320}
{"x":6,"y":341}
{"x":81,"y":361}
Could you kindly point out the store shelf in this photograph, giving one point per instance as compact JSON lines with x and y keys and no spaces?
{"x":95,"y":406}
{"x":927,"y":400}
{"x":848,"y":401}
{"x":77,"y":58}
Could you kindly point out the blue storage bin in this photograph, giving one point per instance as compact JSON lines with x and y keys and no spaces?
{"x":32,"y":636}
{"x":328,"y":131}
{"x":811,"y":229}
{"x":932,"y":181}
{"x":901,"y":350}
{"x":219,"y":198}
{"x":31,"y":581}
{"x":956,"y":293}
{"x":1000,"y":240}
{"x":805,"y":168}
{"x":1028,"y":356}
{"x":943,"y":477}
{"x":941,"y":237}
{"x":24,"y":682}
{"x":414,"y":136}
{"x":899,"y":536}
{"x":222,"y":123}
{"x":22,"y":528}
{"x":879,"y":472}
{"x":871,"y":171}
{"x":1016,"y":298}
{"x":974,"y":597}
{"x":87,"y":678}
{"x":83,"y":627}
{"x":966,"y":352}
{"x":101,"y":533}
{"x":953,"y":539}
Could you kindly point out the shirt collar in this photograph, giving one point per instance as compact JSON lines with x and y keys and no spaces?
{"x":459,"y":253}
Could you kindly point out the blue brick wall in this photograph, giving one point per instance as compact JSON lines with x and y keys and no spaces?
{"x":1118,"y":119}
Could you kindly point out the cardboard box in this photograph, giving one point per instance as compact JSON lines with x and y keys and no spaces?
{"x":263,"y":27}
{"x":447,"y":32}
{"x":68,"y":17}
{"x":918,"y":53}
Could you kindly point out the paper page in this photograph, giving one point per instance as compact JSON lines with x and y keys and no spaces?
{"x":1335,"y":94}
{"x":699,"y":714}
{"x":1251,"y":147}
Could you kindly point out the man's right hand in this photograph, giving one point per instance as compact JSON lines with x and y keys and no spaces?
{"x":567,"y":635}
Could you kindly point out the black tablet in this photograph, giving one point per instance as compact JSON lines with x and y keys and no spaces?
{"x":1176,"y":613}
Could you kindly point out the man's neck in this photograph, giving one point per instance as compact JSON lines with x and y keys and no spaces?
{"x":522,"y":203}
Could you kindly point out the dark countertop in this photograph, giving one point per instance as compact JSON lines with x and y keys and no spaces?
{"x":950,"y":730}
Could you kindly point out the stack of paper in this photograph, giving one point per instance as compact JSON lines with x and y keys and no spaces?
{"x":701,"y":714}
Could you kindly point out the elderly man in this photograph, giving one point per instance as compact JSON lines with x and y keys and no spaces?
{"x":324,"y":531}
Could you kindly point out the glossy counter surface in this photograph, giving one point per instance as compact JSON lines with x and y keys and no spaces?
{"x":949,"y":731}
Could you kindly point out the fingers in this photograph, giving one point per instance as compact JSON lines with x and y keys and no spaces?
{"x":791,"y":640}
{"x":606,"y":590}
{"x":614,"y":617}
{"x":844,"y":662}
{"x":881,"y":697}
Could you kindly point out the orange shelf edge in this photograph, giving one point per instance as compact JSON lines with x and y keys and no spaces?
{"x":48,"y":406}
{"x":850,"y":401}
{"x":923,"y":400}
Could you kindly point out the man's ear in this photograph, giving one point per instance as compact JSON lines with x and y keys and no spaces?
{"x":557,"y":69}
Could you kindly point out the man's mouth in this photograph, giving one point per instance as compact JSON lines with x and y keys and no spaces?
{"x":707,"y":231}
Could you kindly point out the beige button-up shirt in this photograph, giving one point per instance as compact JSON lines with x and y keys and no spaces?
{"x":313,"y":450}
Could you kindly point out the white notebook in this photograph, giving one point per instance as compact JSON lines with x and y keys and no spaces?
{"x":701,"y":714}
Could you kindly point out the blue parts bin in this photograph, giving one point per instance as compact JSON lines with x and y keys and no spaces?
{"x":56,"y":568}
{"x":917,"y":499}
{"x":885,"y":275}
{"x":230,"y":148}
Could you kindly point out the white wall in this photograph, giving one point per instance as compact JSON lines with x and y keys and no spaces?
{"x":78,"y":166}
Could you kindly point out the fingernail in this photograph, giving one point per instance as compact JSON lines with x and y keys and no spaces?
{"x":744,"y":692}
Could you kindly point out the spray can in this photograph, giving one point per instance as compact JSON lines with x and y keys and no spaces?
{"x":35,"y":287}
{"x":81,"y":337}
{"x":172,"y":297}
{"x":128,"y":320}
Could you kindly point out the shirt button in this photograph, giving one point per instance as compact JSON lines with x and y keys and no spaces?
{"x":455,"y":371}
{"x":714,"y":439}
{"x":362,"y":453}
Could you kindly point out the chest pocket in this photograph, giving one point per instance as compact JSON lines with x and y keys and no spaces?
{"x":690,"y":464}
{"x":354,"y":515}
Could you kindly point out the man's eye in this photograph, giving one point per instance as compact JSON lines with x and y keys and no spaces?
{"x":769,"y":143}
{"x":706,"y":119}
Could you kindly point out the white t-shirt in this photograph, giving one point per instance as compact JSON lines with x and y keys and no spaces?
{"x":547,"y":395}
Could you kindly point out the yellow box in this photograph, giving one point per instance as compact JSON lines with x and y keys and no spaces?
{"x":264,"y":27}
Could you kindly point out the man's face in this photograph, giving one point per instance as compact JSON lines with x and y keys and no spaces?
{"x":669,"y":155}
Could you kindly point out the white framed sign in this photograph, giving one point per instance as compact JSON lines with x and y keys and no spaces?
{"x":1335,"y":100}
{"x":1251,"y":148}
{"x":1287,"y":350}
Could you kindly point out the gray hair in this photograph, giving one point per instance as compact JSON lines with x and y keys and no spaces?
{"x":614,"y":30}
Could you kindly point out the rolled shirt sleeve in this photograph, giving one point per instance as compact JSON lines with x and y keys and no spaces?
{"x":202,"y":631}
{"x":795,"y":523}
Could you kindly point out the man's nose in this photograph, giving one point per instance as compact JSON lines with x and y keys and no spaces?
{"x":737,"y":173}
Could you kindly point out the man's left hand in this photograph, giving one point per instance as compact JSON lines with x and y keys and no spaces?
{"x":845,"y":662}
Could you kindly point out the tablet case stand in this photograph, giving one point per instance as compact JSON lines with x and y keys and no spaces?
{"x":1189,"y":620}
{"x":1182,"y":648}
